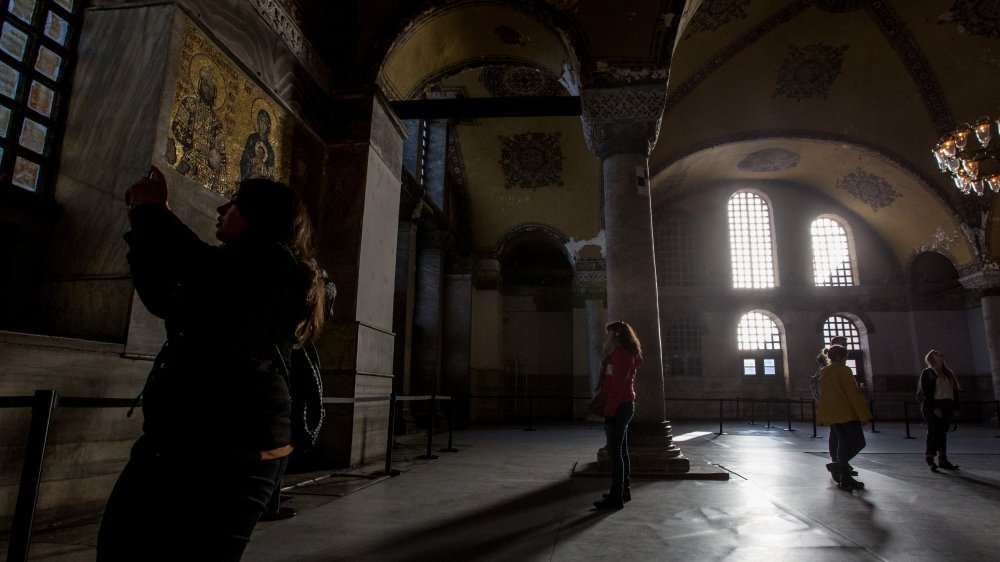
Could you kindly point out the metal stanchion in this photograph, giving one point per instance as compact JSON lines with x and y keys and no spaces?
{"x":871,"y":406}
{"x":737,"y":407}
{"x":996,"y":404}
{"x":814,"y":419}
{"x":530,"y":414}
{"x":389,"y":438}
{"x":752,"y":412}
{"x":451,"y":423}
{"x":430,"y":432}
{"x":906,"y":420}
{"x":31,"y":475}
{"x":788,"y":408}
{"x":767,"y":412}
{"x":721,"y":401}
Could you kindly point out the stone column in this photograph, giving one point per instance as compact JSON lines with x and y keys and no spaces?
{"x":456,"y":355}
{"x":357,"y":245}
{"x":427,"y":320}
{"x":987,"y":280}
{"x":621,"y":126}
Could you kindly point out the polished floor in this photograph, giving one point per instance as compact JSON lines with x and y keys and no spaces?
{"x":510,"y":494}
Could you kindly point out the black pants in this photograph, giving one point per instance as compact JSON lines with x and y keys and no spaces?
{"x":616,"y":430}
{"x":937,"y":428}
{"x":184,"y":507}
{"x":850,"y":442}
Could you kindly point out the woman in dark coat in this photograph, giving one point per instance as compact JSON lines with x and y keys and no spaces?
{"x":939,"y":403}
{"x":216,"y":406}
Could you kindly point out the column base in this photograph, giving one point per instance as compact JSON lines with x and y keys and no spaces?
{"x":651,"y":451}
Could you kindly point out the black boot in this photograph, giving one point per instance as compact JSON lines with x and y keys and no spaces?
{"x":930,"y":463}
{"x":610,"y":502}
{"x":626,"y":495}
{"x":834,"y":471}
{"x":943,"y":463}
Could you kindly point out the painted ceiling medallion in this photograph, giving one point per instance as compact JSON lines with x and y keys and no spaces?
{"x":769,"y":160}
{"x":870,"y":189}
{"x":531,"y":160}
{"x":979,"y":17}
{"x":505,"y":81}
{"x":809,"y":71}
{"x":713,"y":15}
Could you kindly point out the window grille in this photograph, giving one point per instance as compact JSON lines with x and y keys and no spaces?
{"x":831,"y":254}
{"x":750,"y":242}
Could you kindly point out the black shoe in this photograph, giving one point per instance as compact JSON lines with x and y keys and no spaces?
{"x":609,"y":503}
{"x":851,"y":484}
{"x":626,"y":497}
{"x":943,"y":463}
{"x":930,"y":463}
{"x":834,"y":471}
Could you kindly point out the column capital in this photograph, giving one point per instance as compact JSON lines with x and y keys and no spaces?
{"x":623,"y":119}
{"x":985,"y":277}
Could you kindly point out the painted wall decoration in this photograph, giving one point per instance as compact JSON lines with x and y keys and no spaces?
{"x":979,"y":17}
{"x":809,"y":71}
{"x":531,"y":160}
{"x":769,"y":160}
{"x":518,"y":81}
{"x":713,"y":15}
{"x":223,"y":128}
{"x":872,"y":190}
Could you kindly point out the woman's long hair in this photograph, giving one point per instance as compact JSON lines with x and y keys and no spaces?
{"x":824,"y":354}
{"x":626,"y":337}
{"x":276,"y":212}
{"x":947,"y":372}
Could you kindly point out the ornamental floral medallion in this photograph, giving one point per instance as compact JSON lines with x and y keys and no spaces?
{"x":715,"y":14}
{"x":979,"y":17}
{"x":870,"y":189}
{"x":505,"y":82}
{"x":769,"y":160}
{"x":531,"y":160}
{"x":809,"y":71}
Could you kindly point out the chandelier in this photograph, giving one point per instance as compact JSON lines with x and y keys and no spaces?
{"x":973,"y":165}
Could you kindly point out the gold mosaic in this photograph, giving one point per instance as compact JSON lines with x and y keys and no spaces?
{"x":223,"y":127}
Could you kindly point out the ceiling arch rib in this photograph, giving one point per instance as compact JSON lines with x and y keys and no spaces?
{"x":448,"y":43}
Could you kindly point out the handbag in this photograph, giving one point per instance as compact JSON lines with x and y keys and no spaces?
{"x":598,"y":404}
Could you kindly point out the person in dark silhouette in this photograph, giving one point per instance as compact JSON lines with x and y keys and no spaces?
{"x":939,"y":403}
{"x":216,"y":406}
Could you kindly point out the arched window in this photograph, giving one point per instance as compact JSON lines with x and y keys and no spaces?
{"x":682,"y":347}
{"x":759,"y":342}
{"x":750,"y":243}
{"x":831,"y":254}
{"x":838,"y":325}
{"x":678,"y":258}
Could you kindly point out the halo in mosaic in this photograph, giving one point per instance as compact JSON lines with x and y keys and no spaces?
{"x":713,"y":15}
{"x":870,"y":189}
{"x":979,"y":17}
{"x":809,"y":71}
{"x":505,"y":82}
{"x":531,"y":160}
{"x":769,"y":160}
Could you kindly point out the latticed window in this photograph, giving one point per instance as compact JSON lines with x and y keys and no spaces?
{"x":750,"y":242}
{"x":759,"y":341}
{"x":838,"y":325}
{"x":682,"y":343}
{"x":36,"y":52}
{"x":831,"y":254}
{"x":678,"y":259}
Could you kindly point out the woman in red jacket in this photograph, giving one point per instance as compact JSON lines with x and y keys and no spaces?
{"x":623,"y":356}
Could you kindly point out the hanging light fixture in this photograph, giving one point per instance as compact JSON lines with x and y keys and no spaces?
{"x":973,"y":165}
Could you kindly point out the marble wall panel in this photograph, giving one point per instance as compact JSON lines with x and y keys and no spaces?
{"x":377,"y":261}
{"x":374,"y":351}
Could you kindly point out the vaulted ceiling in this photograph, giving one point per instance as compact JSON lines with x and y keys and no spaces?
{"x":843,"y":97}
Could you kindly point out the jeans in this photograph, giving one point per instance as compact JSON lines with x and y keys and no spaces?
{"x":937,"y":428}
{"x":616,"y":430}
{"x":850,"y":441}
{"x":163,"y":505}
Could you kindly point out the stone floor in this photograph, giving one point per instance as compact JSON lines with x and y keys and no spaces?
{"x":510,"y":494}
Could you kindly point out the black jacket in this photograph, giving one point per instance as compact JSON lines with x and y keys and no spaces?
{"x":216,"y":385}
{"x":928,"y":384}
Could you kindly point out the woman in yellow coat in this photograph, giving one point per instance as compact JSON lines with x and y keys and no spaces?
{"x":843,"y":408}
